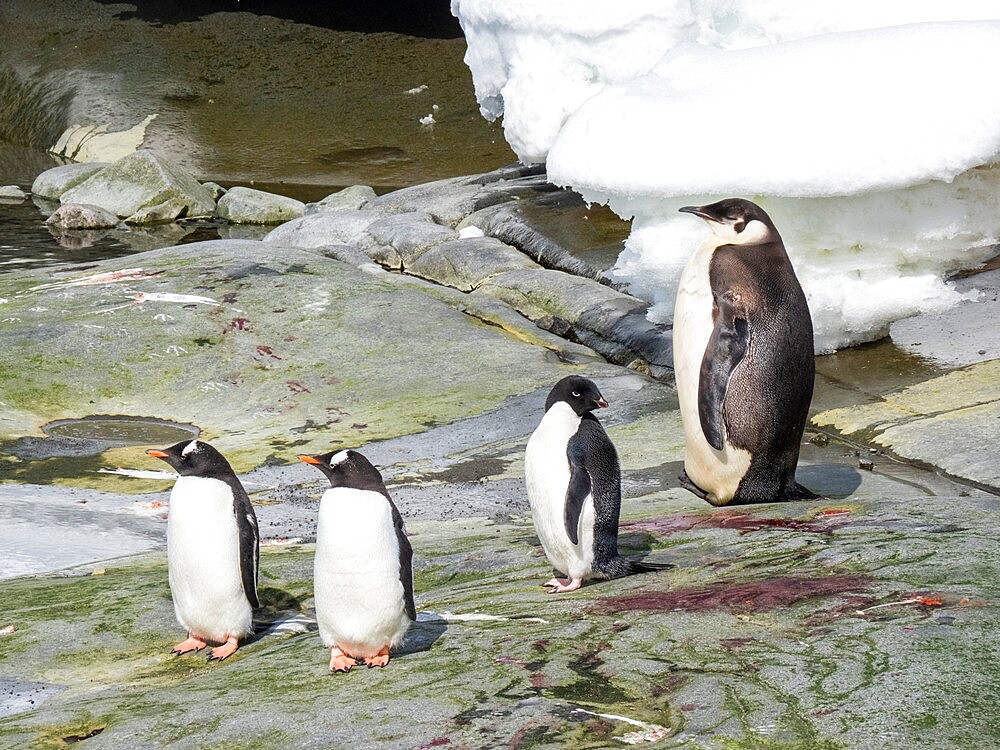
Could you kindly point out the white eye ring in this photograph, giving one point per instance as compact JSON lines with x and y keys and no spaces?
{"x":576,"y":395}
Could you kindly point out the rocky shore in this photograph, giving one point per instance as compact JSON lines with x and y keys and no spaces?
{"x":425,"y":327}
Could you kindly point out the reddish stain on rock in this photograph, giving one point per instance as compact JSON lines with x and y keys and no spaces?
{"x":737,"y":597}
{"x":744,"y":523}
{"x":237,"y":324}
{"x":266,"y":351}
{"x":540,"y":681}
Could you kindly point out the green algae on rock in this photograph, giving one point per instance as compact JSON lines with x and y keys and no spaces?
{"x":870,"y":658}
{"x":270,"y":350}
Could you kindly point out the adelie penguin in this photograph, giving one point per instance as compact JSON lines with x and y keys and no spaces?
{"x":363,"y":571}
{"x":213,"y":549}
{"x":574,"y":488}
{"x":743,"y":360}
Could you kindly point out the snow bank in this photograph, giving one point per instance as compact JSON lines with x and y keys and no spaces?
{"x":874,"y":149}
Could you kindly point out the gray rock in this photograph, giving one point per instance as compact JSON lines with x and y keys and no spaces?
{"x":352,"y":255}
{"x":603,"y":318}
{"x":52,"y":183}
{"x":12,"y":192}
{"x":397,"y":240}
{"x":466,"y":263}
{"x":162,"y":213}
{"x":349,"y":199}
{"x":138,"y":181}
{"x":316,"y":230}
{"x":243,"y":205}
{"x":215,"y":189}
{"x":448,"y":201}
{"x":82,"y":216}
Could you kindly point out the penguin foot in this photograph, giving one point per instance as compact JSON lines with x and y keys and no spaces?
{"x":191,"y":644}
{"x":341,"y":662}
{"x":226,"y":649}
{"x":379,"y":660}
{"x":562,"y":585}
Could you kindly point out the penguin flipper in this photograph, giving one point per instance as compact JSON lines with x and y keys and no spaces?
{"x":249,"y":536}
{"x":727,"y":346}
{"x":578,"y":489}
{"x":405,"y":560}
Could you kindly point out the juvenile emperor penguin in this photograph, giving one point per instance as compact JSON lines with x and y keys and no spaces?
{"x":743,"y":360}
{"x":574,"y":488}
{"x":213,"y":549}
{"x":363,"y":571}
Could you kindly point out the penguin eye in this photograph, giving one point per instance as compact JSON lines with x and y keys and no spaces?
{"x":576,"y":394}
{"x":739,"y":225}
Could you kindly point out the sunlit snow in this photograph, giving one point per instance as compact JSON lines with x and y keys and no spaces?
{"x":873,"y":148}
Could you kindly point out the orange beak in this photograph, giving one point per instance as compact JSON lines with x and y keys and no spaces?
{"x":309,"y":459}
{"x":156,"y":453}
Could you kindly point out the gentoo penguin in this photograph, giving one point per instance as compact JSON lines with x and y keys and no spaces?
{"x":743,"y":360}
{"x":363,"y":571}
{"x":213,"y":549}
{"x":574,"y":488}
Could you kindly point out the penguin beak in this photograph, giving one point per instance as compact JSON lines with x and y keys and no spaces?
{"x":156,"y":453}
{"x":698,"y":211}
{"x":602,"y":404}
{"x":310,"y":460}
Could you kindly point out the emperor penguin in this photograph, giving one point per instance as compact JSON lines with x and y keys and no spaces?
{"x":743,"y":360}
{"x":574,"y":488}
{"x":213,"y":549}
{"x":363,"y":570}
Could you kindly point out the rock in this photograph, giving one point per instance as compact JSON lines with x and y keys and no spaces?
{"x":604,"y":319}
{"x":397,"y":240}
{"x":82,"y":216}
{"x":466,"y":263}
{"x":162,"y":213}
{"x":239,"y":338}
{"x":12,"y":192}
{"x":447,"y":201}
{"x":88,"y":143}
{"x":951,"y":422}
{"x":138,"y":181}
{"x":52,"y":183}
{"x":243,"y":205}
{"x":316,"y":230}
{"x":215,"y":189}
{"x":505,"y":223}
{"x":349,"y":199}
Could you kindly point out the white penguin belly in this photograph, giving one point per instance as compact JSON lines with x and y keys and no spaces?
{"x":360,"y":605}
{"x":203,"y":560}
{"x":716,"y":471}
{"x":546,"y":474}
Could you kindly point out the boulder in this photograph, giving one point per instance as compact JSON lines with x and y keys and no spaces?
{"x":138,"y":181}
{"x":398,"y":240}
{"x":82,"y":216}
{"x":52,"y":183}
{"x":243,"y":205}
{"x":466,"y":263}
{"x":349,"y":199}
{"x":316,"y":230}
{"x":12,"y":192}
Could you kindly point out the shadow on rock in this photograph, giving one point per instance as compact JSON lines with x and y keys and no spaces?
{"x":279,"y":613}
{"x":423,"y":633}
{"x":832,"y":481}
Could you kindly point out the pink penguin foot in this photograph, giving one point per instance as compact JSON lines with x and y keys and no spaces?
{"x":562,"y":585}
{"x":226,"y":649}
{"x":191,"y":644}
{"x":341,"y":662}
{"x":379,"y":660}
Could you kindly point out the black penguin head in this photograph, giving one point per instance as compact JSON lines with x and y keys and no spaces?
{"x":194,"y":458}
{"x":347,"y":468}
{"x":581,"y":394}
{"x":737,"y":221}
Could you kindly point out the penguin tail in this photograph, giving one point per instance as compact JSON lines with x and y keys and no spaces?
{"x":618,"y":567}
{"x":796,"y":491}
